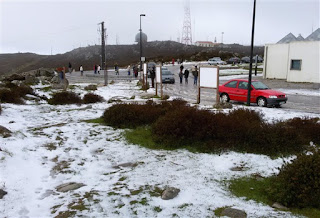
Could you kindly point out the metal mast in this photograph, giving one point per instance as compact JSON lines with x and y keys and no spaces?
{"x":186,"y":30}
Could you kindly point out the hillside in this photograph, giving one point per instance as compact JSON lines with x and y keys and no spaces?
{"x":122,"y":54}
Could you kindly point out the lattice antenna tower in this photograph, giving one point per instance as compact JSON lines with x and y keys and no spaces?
{"x":186,"y":30}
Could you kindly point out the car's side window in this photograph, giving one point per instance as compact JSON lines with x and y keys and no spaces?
{"x":232,"y":84}
{"x":243,"y":85}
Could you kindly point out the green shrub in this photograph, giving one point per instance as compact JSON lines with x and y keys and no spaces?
{"x":92,"y":98}
{"x":65,"y":97}
{"x":298,"y":183}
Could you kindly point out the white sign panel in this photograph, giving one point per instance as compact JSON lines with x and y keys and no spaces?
{"x":158,"y":74}
{"x":145,"y":69}
{"x":208,"y":77}
{"x":143,"y":59}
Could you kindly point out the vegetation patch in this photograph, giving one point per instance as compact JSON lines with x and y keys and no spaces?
{"x":296,"y":186}
{"x":92,"y":98}
{"x":90,"y":87}
{"x":174,"y":124}
{"x":96,"y":120}
{"x":133,"y":115}
{"x":65,"y":97}
{"x":13,"y":93}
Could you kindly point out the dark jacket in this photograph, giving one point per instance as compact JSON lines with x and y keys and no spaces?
{"x":186,"y":73}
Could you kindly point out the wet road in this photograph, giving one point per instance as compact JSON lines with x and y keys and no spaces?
{"x":297,"y":102}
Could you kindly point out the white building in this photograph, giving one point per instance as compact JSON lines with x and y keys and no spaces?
{"x":206,"y":43}
{"x":294,"y":59}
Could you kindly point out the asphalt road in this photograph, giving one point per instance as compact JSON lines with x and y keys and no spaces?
{"x":297,"y":102}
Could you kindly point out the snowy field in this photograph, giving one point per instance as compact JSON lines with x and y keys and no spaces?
{"x":51,"y":145}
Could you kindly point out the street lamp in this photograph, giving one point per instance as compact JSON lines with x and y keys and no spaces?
{"x":141,"y":15}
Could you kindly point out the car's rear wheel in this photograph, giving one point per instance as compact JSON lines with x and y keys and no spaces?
{"x":262,"y":102}
{"x":224,"y":98}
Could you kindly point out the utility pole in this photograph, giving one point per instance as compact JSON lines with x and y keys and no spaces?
{"x":251,"y":54}
{"x":222,"y":37}
{"x":103,"y":53}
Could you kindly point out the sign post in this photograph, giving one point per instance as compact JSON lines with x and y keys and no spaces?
{"x":209,"y":79}
{"x":159,"y":79}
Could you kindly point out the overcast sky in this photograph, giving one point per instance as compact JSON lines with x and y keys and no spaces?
{"x":59,"y":26}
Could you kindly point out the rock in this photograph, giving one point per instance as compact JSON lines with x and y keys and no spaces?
{"x":2,"y":193}
{"x":5,"y":132}
{"x":279,"y":206}
{"x":15,"y":77}
{"x":129,"y":164}
{"x":170,"y":193}
{"x":47,"y":73}
{"x":63,"y":84}
{"x":69,"y":186}
{"x":117,"y":99}
{"x":30,"y":79}
{"x":234,"y":213}
{"x":239,"y":168}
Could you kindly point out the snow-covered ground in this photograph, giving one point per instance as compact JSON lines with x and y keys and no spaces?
{"x":51,"y":145}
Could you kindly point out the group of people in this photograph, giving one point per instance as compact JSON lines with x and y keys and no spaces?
{"x":186,"y":72}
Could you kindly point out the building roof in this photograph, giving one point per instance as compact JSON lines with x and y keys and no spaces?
{"x":288,"y":38}
{"x":300,"y":38}
{"x":315,"y":36}
{"x":208,"y":42}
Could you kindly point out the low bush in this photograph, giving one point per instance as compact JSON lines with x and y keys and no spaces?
{"x":298,"y":183}
{"x":14,"y":93}
{"x":175,"y":124}
{"x":65,"y":97}
{"x":309,"y":128}
{"x":9,"y":96}
{"x":133,"y":115}
{"x":92,"y":98}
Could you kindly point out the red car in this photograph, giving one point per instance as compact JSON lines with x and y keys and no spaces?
{"x":237,"y":90}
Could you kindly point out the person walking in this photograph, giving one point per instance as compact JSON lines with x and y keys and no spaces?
{"x":181,"y":67}
{"x":81,"y":70}
{"x":99,"y":68}
{"x":186,"y":75}
{"x":153,"y":75}
{"x":116,"y":68}
{"x":172,"y":61}
{"x":70,"y":68}
{"x":195,"y":75}
{"x":128,"y":69}
{"x":180,"y":76}
{"x":95,"y":69}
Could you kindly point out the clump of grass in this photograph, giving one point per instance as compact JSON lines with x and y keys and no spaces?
{"x":92,"y":98}
{"x":90,"y":87}
{"x":65,"y":97}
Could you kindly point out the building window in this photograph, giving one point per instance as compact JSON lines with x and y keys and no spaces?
{"x":295,"y":65}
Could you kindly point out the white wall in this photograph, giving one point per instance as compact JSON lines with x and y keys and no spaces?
{"x":308,"y":52}
{"x":278,"y":60}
